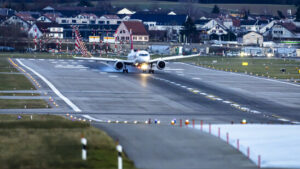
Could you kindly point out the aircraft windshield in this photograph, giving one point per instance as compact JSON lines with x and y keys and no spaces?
{"x":143,"y":54}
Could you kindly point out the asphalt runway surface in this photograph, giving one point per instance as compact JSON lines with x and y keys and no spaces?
{"x":181,"y":91}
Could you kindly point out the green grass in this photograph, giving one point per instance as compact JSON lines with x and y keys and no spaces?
{"x":20,"y":103}
{"x":35,"y":55}
{"x":15,"y":82}
{"x":5,"y":66}
{"x":19,"y":94}
{"x":256,"y":66}
{"x":53,"y":142}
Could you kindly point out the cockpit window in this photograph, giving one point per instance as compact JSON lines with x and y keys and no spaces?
{"x":143,"y":54}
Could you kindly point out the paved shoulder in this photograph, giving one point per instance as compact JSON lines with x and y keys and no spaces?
{"x":164,"y":147}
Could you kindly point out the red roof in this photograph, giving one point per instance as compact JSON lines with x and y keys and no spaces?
{"x":52,"y":16}
{"x":136,"y":27}
{"x":291,"y":27}
{"x":25,"y":16}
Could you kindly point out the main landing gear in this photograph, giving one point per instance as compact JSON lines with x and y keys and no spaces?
{"x":151,"y":70}
{"x":125,"y":70}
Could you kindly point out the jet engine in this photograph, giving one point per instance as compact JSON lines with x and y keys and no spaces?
{"x":161,"y":64}
{"x":119,"y":65}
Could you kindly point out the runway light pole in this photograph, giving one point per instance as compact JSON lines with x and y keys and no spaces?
{"x":84,"y":143}
{"x":120,"y":162}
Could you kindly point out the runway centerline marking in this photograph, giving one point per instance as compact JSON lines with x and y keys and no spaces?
{"x":52,"y":87}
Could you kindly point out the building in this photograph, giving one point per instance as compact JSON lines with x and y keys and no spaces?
{"x":252,"y":38}
{"x":137,"y":29}
{"x":252,"y":25}
{"x":47,"y":30}
{"x":17,"y":20}
{"x":171,"y":24}
{"x":284,"y":31}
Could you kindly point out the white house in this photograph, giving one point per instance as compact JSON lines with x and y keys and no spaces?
{"x":253,"y":38}
{"x":18,"y":21}
{"x":137,"y":30}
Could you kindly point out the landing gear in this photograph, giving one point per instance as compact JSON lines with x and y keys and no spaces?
{"x":125,"y":70}
{"x":151,"y":70}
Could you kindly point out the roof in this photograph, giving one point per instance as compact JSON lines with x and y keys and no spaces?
{"x":161,"y":19}
{"x":111,"y":16}
{"x":253,"y":22}
{"x":291,"y":27}
{"x":90,"y":15}
{"x":25,"y":16}
{"x":48,"y":8}
{"x":202,"y":21}
{"x":52,"y":16}
{"x":136,"y":27}
{"x":43,"y":26}
{"x":125,"y":11}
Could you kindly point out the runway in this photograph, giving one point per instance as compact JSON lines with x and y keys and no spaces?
{"x":181,"y":91}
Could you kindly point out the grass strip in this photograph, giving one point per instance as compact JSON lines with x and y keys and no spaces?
{"x":50,"y":142}
{"x":21,"y":103}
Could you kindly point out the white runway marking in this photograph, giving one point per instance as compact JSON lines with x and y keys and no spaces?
{"x":53,"y":88}
{"x":196,"y":78}
{"x":92,"y":118}
{"x":112,"y":76}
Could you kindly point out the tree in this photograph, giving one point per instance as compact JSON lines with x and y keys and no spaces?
{"x":85,"y":3}
{"x":189,"y":30}
{"x":298,"y":14}
{"x":280,"y":14}
{"x":215,"y":10}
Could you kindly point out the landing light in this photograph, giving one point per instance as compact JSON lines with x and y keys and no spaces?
{"x":144,"y":66}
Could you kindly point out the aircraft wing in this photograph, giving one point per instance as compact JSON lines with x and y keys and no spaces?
{"x":173,"y":57}
{"x":105,"y":59}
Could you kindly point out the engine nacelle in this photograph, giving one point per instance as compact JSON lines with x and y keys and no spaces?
{"x":119,"y":65}
{"x":161,"y":64}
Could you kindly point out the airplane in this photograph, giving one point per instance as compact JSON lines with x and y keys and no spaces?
{"x":140,"y":59}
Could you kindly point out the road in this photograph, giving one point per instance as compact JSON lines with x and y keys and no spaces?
{"x":181,"y":91}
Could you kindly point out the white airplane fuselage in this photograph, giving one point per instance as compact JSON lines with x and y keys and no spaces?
{"x":139,"y":57}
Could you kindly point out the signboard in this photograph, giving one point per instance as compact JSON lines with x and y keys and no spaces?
{"x":298,"y":52}
{"x":108,"y":39}
{"x":94,"y":38}
{"x":245,"y":63}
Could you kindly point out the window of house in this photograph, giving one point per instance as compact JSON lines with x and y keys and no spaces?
{"x":93,"y":22}
{"x":127,"y":38}
{"x":74,"y":21}
{"x":134,"y":38}
{"x":140,"y":38}
{"x":100,"y":22}
{"x":84,"y":21}
{"x":121,"y":31}
{"x":123,"y":38}
{"x":118,"y":22}
{"x":63,"y":21}
{"x":107,"y":22}
{"x":145,"y":38}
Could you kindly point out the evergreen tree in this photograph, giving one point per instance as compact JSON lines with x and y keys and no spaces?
{"x":215,"y":10}
{"x":280,"y":14}
{"x":189,"y":29}
{"x":298,"y":14}
{"x":86,"y":3}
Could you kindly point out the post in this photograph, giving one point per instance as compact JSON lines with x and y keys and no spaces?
{"x":248,"y":153}
{"x":259,"y":161}
{"x":219,"y":132}
{"x":180,"y":122}
{"x":201,"y":124}
{"x":193,"y":123}
{"x":84,"y":143}
{"x":119,"y":149}
{"x":238,"y":144}
{"x":209,"y":128}
{"x":227,"y":138}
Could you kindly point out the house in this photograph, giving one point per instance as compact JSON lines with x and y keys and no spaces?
{"x":137,"y":30}
{"x":284,"y":31}
{"x":252,"y":38}
{"x":48,"y":17}
{"x":48,"y":30}
{"x":171,"y":24}
{"x":17,"y":20}
{"x":200,"y":23}
{"x":6,"y":12}
{"x":252,"y":25}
